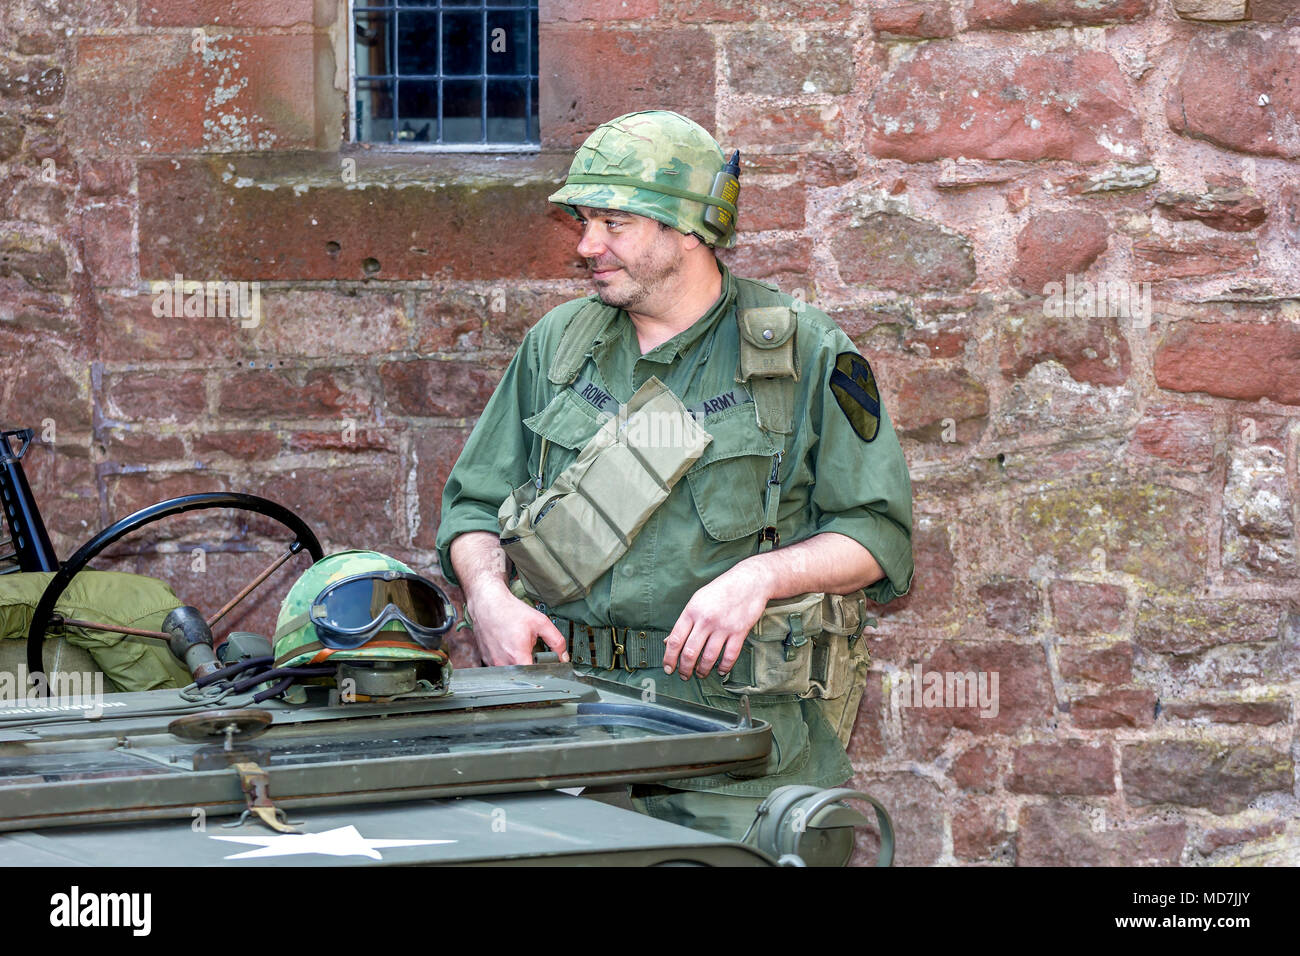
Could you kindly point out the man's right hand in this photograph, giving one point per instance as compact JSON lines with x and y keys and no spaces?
{"x":507,"y":629}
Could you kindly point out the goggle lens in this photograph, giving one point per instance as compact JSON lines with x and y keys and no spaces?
{"x":353,"y":604}
{"x":358,"y":604}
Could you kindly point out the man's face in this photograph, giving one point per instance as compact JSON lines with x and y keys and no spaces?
{"x":632,"y":258}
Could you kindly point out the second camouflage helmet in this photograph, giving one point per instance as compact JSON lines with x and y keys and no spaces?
{"x":653,"y":163}
{"x":296,"y":641}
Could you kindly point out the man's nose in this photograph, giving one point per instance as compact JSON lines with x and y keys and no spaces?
{"x":590,"y":246}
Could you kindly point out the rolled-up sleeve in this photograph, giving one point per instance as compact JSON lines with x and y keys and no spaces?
{"x":494,"y":460}
{"x":862,"y":489}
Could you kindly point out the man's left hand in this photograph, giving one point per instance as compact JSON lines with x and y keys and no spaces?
{"x":715,"y":622}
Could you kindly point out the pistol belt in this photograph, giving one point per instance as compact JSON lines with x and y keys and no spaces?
{"x":609,"y":647}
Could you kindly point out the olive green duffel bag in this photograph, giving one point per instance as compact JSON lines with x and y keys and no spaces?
{"x":109,"y":597}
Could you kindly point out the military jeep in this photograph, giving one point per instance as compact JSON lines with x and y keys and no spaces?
{"x":125,"y":744}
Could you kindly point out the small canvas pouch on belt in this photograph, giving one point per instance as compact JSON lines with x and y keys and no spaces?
{"x":563,"y":538}
{"x":808,"y":646}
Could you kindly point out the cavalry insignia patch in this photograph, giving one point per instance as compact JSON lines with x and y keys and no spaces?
{"x":854,"y":387}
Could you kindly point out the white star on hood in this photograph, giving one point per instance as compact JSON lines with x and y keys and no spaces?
{"x":342,"y":841}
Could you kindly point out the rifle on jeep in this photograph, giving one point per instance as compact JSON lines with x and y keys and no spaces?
{"x":29,"y":542}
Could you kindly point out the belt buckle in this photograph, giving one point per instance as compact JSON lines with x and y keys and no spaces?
{"x":628,"y":665}
{"x":617,"y":649}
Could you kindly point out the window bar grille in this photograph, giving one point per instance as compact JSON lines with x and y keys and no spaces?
{"x":390,"y":29}
{"x":483,"y":83}
{"x":528,"y":73}
{"x":393,"y":15}
{"x":442,"y":70}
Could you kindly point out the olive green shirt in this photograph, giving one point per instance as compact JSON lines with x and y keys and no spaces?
{"x":831,"y":479}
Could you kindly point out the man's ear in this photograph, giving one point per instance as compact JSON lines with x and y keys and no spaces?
{"x":689,"y":241}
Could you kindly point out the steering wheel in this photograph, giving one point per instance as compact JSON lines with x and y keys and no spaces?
{"x":304,"y":538}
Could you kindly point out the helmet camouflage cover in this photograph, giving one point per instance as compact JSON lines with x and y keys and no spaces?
{"x":675,"y":158}
{"x":299,"y":646}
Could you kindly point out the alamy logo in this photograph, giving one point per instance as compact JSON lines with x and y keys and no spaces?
{"x":927,"y":689}
{"x":75,"y":908}
{"x":22,"y":692}
{"x":188,"y":298}
{"x":1104,"y":298}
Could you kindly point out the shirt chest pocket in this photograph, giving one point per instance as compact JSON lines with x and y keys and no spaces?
{"x":567,"y":423}
{"x":729,"y":481}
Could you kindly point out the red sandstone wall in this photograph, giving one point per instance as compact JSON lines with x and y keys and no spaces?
{"x":1106,"y":508}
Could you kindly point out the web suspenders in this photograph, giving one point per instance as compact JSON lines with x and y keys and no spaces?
{"x":768,"y":367}
{"x":576,"y":340}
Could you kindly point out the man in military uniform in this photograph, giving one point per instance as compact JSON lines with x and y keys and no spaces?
{"x":782,"y":478}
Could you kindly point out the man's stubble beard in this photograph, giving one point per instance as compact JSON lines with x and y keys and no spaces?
{"x":655,"y":270}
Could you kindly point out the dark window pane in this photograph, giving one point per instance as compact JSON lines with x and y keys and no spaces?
{"x":430,"y":63}
{"x":374,"y":111}
{"x":534,"y":134}
{"x":417,"y":44}
{"x":372,"y":36}
{"x":507,"y":111}
{"x":462,"y":44}
{"x":417,"y":110}
{"x":462,"y":111}
{"x":532,"y":60}
{"x":508,"y":43}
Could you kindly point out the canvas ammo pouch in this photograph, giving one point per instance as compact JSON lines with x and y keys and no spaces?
{"x":562,"y":538}
{"x":808,"y":646}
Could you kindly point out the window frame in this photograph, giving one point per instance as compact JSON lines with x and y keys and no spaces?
{"x":350,"y":140}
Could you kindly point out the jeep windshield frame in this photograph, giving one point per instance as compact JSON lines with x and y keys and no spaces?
{"x":501,"y":730}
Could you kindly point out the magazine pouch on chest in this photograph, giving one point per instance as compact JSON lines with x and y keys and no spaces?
{"x":564,"y":537}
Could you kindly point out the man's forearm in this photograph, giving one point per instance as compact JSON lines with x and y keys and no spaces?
{"x":714,"y":624}
{"x":506,"y":629}
{"x":829,"y":562}
{"x":480,"y":565}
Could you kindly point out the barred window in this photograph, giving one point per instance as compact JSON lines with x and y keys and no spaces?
{"x":450,"y":74}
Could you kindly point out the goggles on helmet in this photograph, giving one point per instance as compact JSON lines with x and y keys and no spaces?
{"x":352,"y":611}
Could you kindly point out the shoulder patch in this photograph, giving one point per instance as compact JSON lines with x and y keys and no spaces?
{"x":854,"y":388}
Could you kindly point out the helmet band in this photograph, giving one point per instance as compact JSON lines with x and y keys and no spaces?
{"x":590,"y":179}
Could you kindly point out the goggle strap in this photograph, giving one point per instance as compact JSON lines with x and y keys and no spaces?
{"x":295,"y":622}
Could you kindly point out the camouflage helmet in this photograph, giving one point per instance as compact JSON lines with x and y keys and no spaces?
{"x":296,"y":643}
{"x":653,"y":163}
